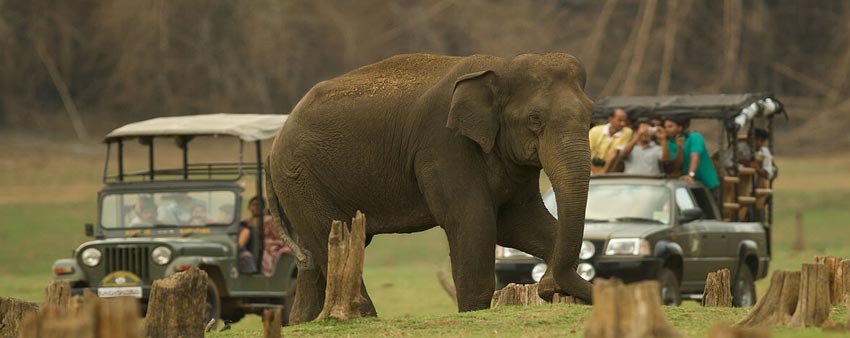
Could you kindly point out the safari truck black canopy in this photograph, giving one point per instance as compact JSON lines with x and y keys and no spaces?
{"x":716,"y":106}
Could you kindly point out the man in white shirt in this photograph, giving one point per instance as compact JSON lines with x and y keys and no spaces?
{"x":641,"y":155}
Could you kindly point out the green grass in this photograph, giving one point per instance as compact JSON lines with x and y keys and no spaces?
{"x":401,"y":270}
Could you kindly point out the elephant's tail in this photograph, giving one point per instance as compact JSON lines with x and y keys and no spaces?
{"x":302,"y":257}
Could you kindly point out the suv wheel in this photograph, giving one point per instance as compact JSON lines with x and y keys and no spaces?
{"x":744,"y":288}
{"x":670,"y":292}
{"x":213,"y":306}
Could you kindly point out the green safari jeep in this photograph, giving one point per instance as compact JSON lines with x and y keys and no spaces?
{"x":164,"y":219}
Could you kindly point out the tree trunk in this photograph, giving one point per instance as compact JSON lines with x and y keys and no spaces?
{"x":632,"y":310}
{"x":57,"y":296}
{"x":271,"y":323}
{"x":778,"y":304}
{"x":345,"y":269}
{"x":813,"y":305}
{"x":630,"y":85}
{"x":96,"y":317}
{"x":12,"y":312}
{"x":725,"y":331}
{"x":177,"y":305}
{"x":517,"y":294}
{"x":799,"y":243}
{"x":718,"y":290}
{"x":839,"y":277}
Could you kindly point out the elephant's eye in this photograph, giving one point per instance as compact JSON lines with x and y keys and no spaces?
{"x":535,"y":119}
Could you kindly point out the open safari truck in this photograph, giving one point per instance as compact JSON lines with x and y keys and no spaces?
{"x":658,"y":227}
{"x":164,"y":209}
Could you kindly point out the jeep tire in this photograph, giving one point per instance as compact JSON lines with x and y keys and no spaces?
{"x":213,"y":304}
{"x":671,"y":293}
{"x":744,"y":288}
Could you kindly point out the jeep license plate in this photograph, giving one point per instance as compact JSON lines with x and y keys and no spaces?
{"x":126,"y":291}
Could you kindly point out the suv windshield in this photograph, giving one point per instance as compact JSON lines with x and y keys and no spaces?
{"x":622,"y":202}
{"x":196,"y":208}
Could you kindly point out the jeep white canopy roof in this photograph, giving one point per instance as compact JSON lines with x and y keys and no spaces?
{"x":248,"y":127}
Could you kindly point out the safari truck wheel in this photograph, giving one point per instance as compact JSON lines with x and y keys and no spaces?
{"x":670,"y":292}
{"x":213,"y":306}
{"x":744,"y":288}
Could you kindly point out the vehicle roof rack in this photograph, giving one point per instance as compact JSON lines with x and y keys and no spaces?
{"x":715,"y":106}
{"x":247,"y":127}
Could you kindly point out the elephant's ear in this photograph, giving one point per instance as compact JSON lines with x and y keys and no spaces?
{"x":473,"y":109}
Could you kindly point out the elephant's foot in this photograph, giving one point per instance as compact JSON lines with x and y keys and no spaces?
{"x":309,"y":297}
{"x":575,"y":286}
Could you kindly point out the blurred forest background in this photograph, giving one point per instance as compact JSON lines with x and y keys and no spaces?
{"x":77,"y":69}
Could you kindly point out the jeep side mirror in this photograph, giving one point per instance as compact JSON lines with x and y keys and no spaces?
{"x":690,"y":215}
{"x":89,"y":230}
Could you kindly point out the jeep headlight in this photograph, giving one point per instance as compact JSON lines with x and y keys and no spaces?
{"x":161,"y":255}
{"x":505,"y":252}
{"x":586,"y":271}
{"x":587,"y":250}
{"x":627,"y":246}
{"x":538,"y":271}
{"x":91,"y":257}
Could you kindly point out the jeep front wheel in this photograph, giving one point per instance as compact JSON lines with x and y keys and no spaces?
{"x":744,"y":288}
{"x":213,"y":305}
{"x":670,"y":291}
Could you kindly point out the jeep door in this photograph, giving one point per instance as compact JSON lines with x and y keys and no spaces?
{"x":703,"y":240}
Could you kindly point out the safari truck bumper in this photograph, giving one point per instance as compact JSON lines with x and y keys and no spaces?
{"x":627,"y":269}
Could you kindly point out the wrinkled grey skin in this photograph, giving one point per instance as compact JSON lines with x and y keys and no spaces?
{"x":418,"y":141}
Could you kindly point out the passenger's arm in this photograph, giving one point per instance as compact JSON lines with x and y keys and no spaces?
{"x":244,"y":236}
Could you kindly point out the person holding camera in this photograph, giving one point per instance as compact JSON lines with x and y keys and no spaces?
{"x":641,"y":155}
{"x":694,"y":163}
{"x":605,"y":139}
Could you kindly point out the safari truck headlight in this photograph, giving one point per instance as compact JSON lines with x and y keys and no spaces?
{"x":161,"y":255}
{"x":538,"y":271}
{"x":91,"y":257}
{"x":587,"y":250}
{"x":627,"y":246}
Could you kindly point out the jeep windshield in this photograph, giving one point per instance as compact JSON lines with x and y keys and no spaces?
{"x":168,"y":209}
{"x":632,"y":203}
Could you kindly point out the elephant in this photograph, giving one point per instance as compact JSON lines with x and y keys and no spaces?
{"x":418,"y":141}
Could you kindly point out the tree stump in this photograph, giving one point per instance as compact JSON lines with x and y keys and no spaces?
{"x":517,"y":294}
{"x":12,"y":313}
{"x":96,"y":318}
{"x":725,"y":331}
{"x":57,"y":296}
{"x":626,"y":311}
{"x":271,"y":323}
{"x":177,"y":305}
{"x":813,"y":304}
{"x":718,"y":289}
{"x":778,"y":304}
{"x":345,"y":269}
{"x":558,"y":298}
{"x":839,"y":278}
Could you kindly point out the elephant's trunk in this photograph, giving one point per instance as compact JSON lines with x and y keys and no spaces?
{"x":566,"y":161}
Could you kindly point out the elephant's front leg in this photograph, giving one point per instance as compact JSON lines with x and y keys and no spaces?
{"x":472,"y":240}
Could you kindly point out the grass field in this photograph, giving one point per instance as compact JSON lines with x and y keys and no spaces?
{"x":49,"y":192}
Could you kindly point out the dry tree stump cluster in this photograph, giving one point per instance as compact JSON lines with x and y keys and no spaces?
{"x":802,"y":298}
{"x":82,"y":316}
{"x":625,"y":311}
{"x":718,"y":289}
{"x":345,"y":269}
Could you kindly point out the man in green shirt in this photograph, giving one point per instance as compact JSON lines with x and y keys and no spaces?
{"x":696,"y":163}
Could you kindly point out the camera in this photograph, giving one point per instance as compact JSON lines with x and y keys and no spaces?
{"x":653,"y":130}
{"x":597,"y":162}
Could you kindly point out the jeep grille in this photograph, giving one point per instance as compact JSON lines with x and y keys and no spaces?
{"x":133,"y":259}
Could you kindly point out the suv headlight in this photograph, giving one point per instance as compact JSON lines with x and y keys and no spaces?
{"x":504,"y":252}
{"x":627,"y":246}
{"x":161,"y":255}
{"x":91,"y":257}
{"x":587,"y":250}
